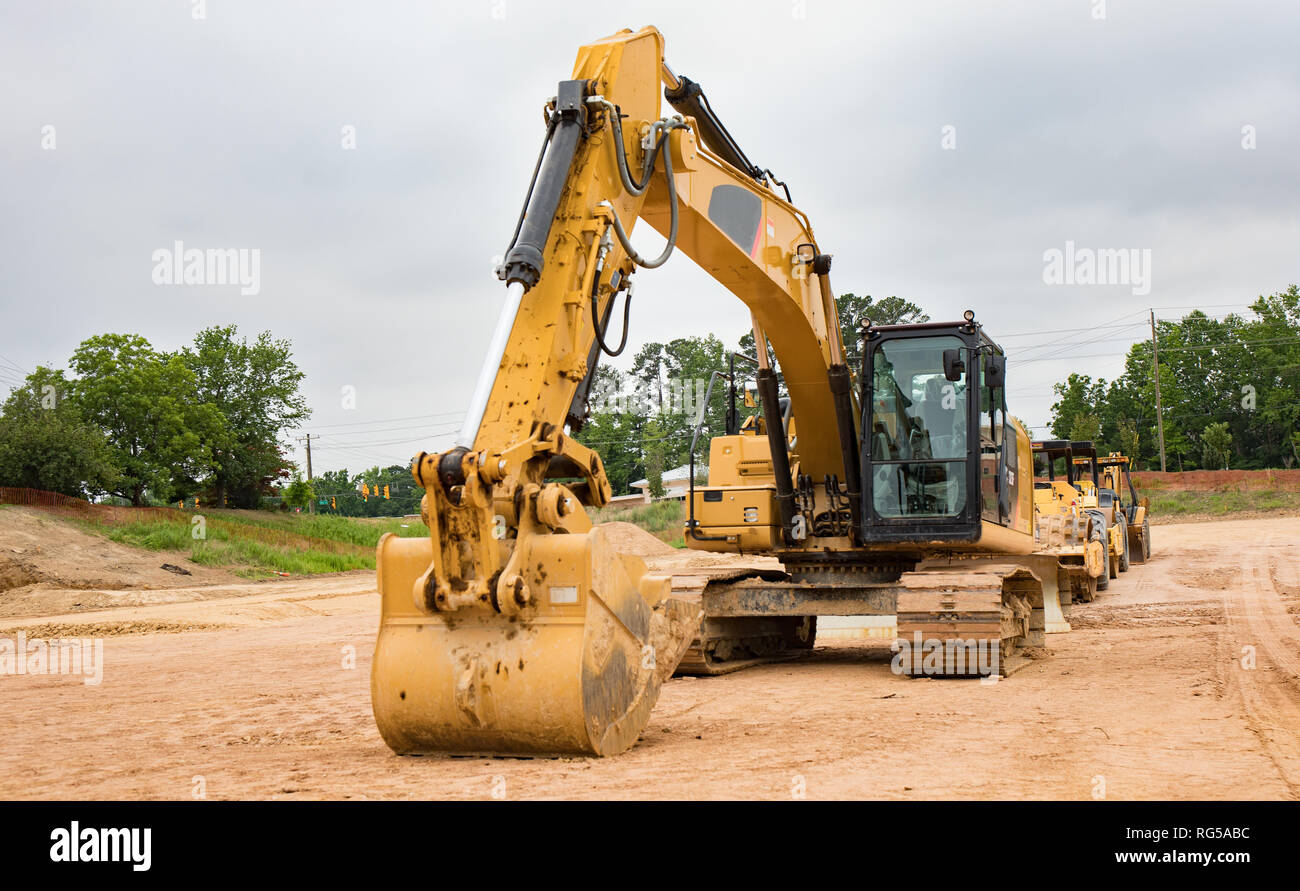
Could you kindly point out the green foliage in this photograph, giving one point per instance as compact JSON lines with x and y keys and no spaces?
{"x":46,"y":443}
{"x":1215,"y":440}
{"x":854,"y":310}
{"x":642,"y":420}
{"x":161,"y":434}
{"x":1241,"y":372}
{"x":238,"y":541}
{"x":1128,"y":438}
{"x":662,"y":519}
{"x":255,"y":386}
{"x":1086,"y":426}
{"x":654,"y":458}
{"x":299,"y":493}
{"x":149,"y":426}
{"x":341,"y":491}
{"x":1200,"y":503}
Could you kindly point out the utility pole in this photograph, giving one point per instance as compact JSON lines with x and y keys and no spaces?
{"x":311,"y":503}
{"x":1160,"y":418}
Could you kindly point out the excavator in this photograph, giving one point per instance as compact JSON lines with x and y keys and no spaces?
{"x":517,"y":626}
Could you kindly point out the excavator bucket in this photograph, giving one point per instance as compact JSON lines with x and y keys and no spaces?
{"x":575,"y":672}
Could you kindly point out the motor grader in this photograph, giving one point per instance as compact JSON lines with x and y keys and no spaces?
{"x":1077,"y":533}
{"x":517,"y":626}
{"x":1100,"y":500}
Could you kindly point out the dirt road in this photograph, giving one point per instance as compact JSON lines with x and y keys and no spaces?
{"x":267,"y":696}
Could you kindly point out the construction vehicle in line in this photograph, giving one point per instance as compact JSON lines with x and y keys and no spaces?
{"x":1078,"y":531}
{"x":517,"y":626}
{"x":1117,"y":487}
{"x":1101,"y":500}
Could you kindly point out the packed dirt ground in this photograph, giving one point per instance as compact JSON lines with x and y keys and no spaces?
{"x":222,"y":688}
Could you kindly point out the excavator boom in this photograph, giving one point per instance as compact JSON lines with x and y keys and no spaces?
{"x":517,"y":626}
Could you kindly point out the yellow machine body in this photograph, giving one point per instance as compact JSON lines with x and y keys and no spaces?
{"x":516,"y":626}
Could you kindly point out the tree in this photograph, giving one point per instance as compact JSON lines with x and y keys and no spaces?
{"x":1077,"y":396}
{"x":1215,"y":441}
{"x":255,"y":386}
{"x":1242,"y":371}
{"x":1086,"y":427}
{"x":853,"y":311}
{"x":1128,"y":439}
{"x":299,"y":493}
{"x":45,"y":443}
{"x":654,"y":447}
{"x":147,"y":404}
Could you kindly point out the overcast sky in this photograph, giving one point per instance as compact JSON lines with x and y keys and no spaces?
{"x":1122,"y":132}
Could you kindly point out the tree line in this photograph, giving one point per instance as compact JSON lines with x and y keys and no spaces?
{"x":1229,"y":391}
{"x":150,"y":426}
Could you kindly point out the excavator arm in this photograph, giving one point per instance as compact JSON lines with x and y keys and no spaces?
{"x":517,"y":626}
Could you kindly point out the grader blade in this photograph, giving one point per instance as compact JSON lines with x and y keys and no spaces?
{"x":576,"y":671}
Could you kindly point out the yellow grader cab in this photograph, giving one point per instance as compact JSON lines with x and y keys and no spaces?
{"x":1101,"y":501}
{"x":1067,"y":526}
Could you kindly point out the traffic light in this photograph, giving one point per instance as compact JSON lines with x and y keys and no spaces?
{"x":333,"y":504}
{"x":196,"y":502}
{"x":365,"y":492}
{"x":385,"y":491}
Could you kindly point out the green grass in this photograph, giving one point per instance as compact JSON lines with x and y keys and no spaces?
{"x":662,"y":519}
{"x":1192,"y":502}
{"x":255,"y":546}
{"x":364,"y":531}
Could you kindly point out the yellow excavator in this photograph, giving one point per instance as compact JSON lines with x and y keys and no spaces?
{"x":517,"y":626}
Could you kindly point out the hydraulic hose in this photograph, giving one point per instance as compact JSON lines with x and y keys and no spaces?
{"x":595,"y":316}
{"x":672,"y":226}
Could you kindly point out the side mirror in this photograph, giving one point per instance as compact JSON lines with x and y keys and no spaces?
{"x":953,"y":366}
{"x":995,"y":371}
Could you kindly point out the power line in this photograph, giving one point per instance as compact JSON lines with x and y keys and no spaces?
{"x":1106,"y":323}
{"x":14,"y":365}
{"x":444,"y":414}
{"x":369,"y":432}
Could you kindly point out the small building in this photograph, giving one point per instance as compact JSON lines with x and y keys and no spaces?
{"x":677,"y":482}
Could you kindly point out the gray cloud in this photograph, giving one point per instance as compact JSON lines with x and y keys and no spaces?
{"x":377,"y":262}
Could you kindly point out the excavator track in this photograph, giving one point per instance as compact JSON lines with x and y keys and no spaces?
{"x":724,"y":645}
{"x":964,"y":620}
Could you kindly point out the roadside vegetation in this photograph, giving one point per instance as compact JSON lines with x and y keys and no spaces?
{"x":257,"y":544}
{"x":662,"y":519}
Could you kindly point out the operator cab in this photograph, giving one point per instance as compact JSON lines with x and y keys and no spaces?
{"x":939,"y":452}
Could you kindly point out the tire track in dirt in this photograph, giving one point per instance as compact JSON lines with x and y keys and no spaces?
{"x":1257,"y":617}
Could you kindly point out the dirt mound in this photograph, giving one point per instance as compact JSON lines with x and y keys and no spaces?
{"x":632,"y":539}
{"x":14,"y":573}
{"x":45,"y":560}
